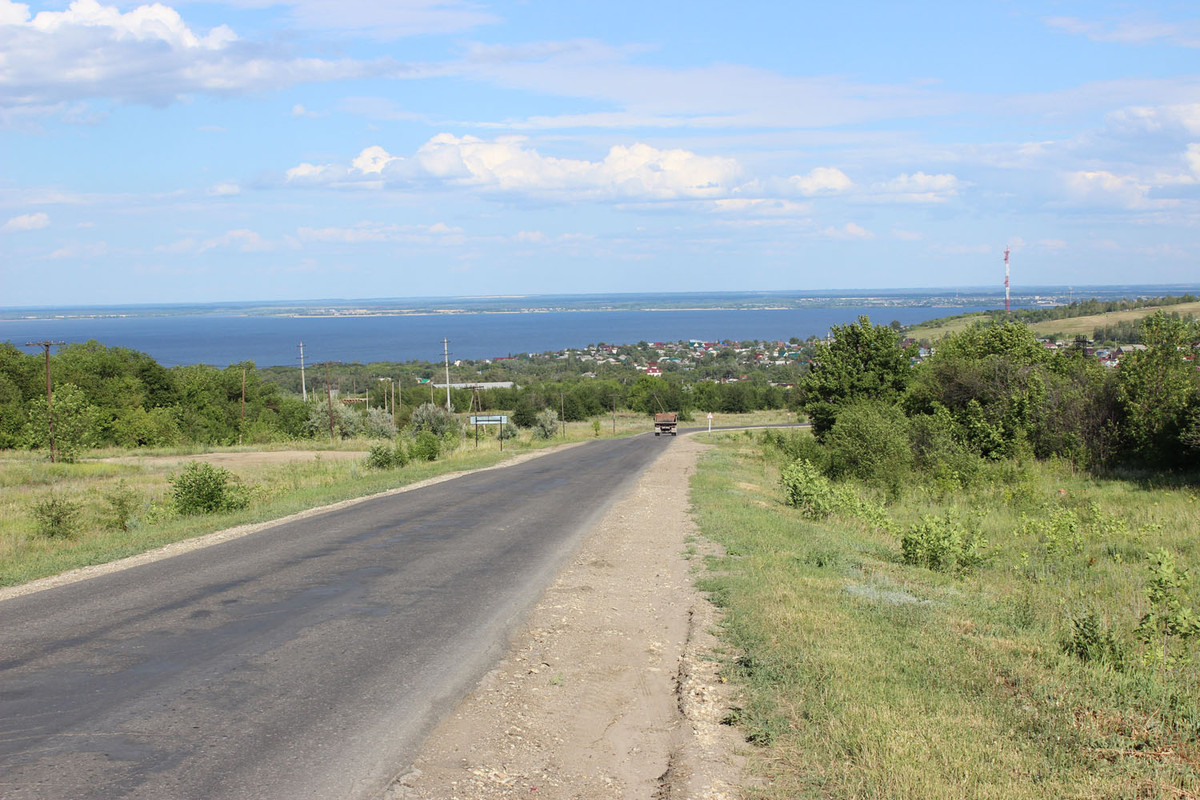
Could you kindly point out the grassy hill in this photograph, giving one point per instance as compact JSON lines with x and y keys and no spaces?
{"x":1066,"y":328}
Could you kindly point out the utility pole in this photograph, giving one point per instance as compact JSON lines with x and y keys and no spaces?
{"x":446,"y":355}
{"x":303,"y":387}
{"x":46,"y":345}
{"x":329,"y":395}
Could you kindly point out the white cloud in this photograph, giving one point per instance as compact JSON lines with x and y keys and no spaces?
{"x":1193,"y":159}
{"x":366,"y":232}
{"x":763,"y":206}
{"x":822,"y":180}
{"x":509,"y":165}
{"x":1131,"y":31}
{"x":94,"y":250}
{"x":242,"y":240}
{"x":148,"y":54}
{"x":26,"y":222}
{"x":849,"y":231}
{"x":918,"y":187}
{"x":227,"y":189}
{"x":1103,"y":188}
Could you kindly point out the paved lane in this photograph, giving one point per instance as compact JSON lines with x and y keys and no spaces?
{"x":304,"y":661}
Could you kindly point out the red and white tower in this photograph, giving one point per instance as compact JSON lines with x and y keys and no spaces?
{"x":1006,"y":307}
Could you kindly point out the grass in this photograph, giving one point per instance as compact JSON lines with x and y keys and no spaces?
{"x":862,"y":676}
{"x":276,"y":489}
{"x":937,"y":329}
{"x":1068,"y":328}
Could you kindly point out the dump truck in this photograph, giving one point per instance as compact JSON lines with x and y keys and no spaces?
{"x":665,"y":423}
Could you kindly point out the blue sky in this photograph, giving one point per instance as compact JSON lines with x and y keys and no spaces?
{"x":296,"y":149}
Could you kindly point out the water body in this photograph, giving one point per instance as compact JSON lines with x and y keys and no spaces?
{"x":223,"y":339}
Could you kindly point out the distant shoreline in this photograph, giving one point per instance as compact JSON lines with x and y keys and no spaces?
{"x":947,"y":298}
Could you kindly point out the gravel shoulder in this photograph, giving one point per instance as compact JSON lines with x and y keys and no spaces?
{"x":611,"y":688}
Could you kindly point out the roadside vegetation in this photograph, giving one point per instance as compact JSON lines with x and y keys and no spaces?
{"x":973,"y":577}
{"x":116,"y":502}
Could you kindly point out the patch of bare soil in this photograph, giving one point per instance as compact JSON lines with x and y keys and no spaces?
{"x":611,"y":689}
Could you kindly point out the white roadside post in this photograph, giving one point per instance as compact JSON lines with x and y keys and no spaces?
{"x":710,"y":422}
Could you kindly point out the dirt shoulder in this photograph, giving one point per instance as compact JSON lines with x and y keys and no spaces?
{"x":610,"y":690}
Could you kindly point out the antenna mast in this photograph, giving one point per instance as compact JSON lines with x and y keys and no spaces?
{"x":1006,"y":305}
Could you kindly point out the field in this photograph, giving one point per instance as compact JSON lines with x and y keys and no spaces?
{"x":123,"y":498}
{"x":1042,"y":666}
{"x":1068,"y":328}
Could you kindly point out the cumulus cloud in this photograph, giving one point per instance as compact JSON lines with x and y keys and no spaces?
{"x":1103,"y":188}
{"x":26,"y":222}
{"x":148,"y":54}
{"x":509,"y":165}
{"x":822,"y":180}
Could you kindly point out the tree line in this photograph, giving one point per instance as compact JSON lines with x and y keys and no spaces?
{"x":117,"y":397}
{"x":995,"y":392}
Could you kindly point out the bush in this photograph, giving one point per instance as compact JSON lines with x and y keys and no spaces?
{"x":57,"y":517}
{"x":806,"y":488}
{"x":507,"y":431}
{"x":524,"y":415}
{"x":870,"y":442}
{"x":378,"y":424}
{"x":382,"y":455}
{"x":1092,"y":641}
{"x":545,"y":426}
{"x":206,"y":489}
{"x":121,"y":502}
{"x":347,"y":423}
{"x":426,"y":447}
{"x":428,"y":417}
{"x":944,"y":544}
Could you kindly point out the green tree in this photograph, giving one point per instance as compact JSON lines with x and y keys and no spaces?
{"x":1158,"y":391}
{"x":863,"y":362}
{"x":74,"y":423}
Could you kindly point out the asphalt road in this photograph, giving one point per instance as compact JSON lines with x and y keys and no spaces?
{"x":308,"y":660}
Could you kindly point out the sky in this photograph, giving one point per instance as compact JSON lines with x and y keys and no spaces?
{"x":245,"y":150}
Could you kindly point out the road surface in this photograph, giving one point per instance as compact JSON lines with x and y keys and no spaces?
{"x":308,"y":660}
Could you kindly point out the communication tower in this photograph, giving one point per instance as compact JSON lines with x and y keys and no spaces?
{"x":1006,"y":306}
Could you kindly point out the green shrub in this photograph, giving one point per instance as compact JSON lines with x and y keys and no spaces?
{"x":944,"y":544}
{"x":202,"y":488}
{"x":121,"y":502}
{"x":545,"y":426}
{"x":429,"y":417}
{"x":382,"y":455}
{"x":1092,"y":641}
{"x":427,"y":446}
{"x":869,"y":441}
{"x":56,"y":516}
{"x":806,"y":488}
